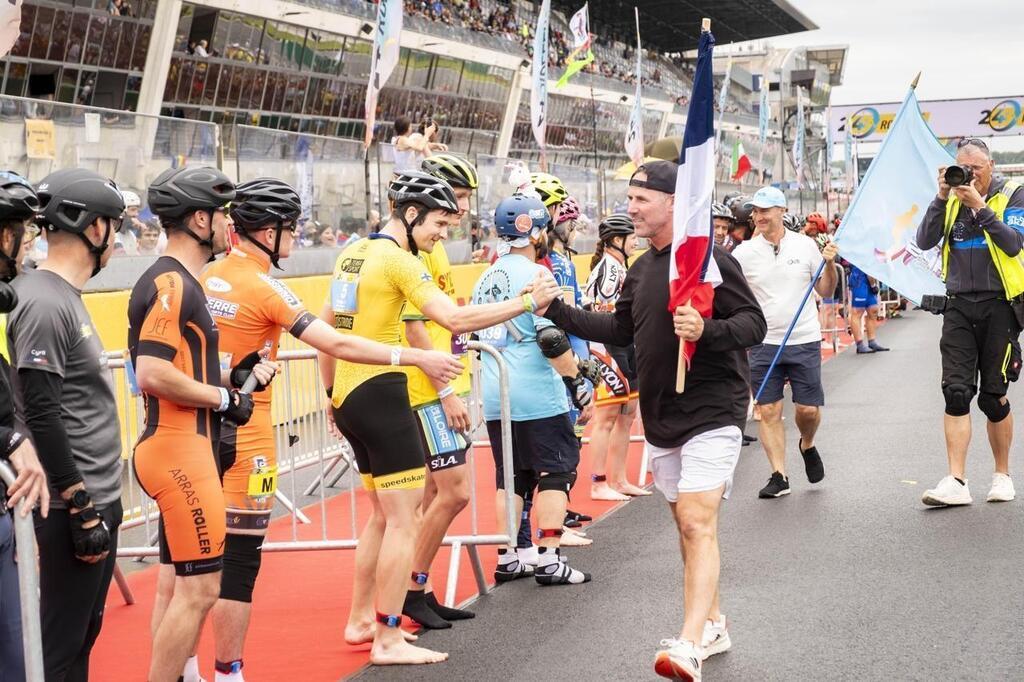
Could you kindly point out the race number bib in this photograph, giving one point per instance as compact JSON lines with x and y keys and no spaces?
{"x":262,"y":481}
{"x":459,"y":344}
{"x":496,"y":336}
{"x":344,"y":292}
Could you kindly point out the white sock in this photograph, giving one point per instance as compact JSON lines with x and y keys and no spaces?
{"x":191,"y":671}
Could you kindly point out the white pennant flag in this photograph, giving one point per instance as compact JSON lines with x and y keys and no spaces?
{"x":10,"y":25}
{"x":635,"y":132}
{"x":539,"y":92}
{"x":580,"y":27}
{"x":384,"y":59}
{"x":798,"y":144}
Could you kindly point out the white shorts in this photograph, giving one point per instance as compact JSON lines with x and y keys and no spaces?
{"x":703,"y":463}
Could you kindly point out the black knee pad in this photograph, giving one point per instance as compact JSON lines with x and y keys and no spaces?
{"x":525,"y":480}
{"x":958,"y":399}
{"x":242,"y":558}
{"x":561,"y":481}
{"x":993,"y":407}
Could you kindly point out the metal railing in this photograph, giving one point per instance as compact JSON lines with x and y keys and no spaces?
{"x":843,"y":303}
{"x":302,"y":442}
{"x":28,"y":584}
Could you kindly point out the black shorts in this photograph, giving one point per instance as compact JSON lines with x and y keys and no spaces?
{"x":625,"y":358}
{"x":979,"y":338}
{"x":379,"y":424}
{"x":800,"y":364}
{"x":443,"y":447}
{"x":547,"y":445}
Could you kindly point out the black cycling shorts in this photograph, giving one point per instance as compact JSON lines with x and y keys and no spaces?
{"x":625,"y":358}
{"x":379,"y":424}
{"x":547,"y":445}
{"x":979,"y":339}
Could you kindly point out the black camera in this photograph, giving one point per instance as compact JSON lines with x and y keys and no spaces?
{"x":955,"y":176}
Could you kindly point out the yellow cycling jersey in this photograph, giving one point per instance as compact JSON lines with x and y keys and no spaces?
{"x":421,"y":390}
{"x":372,"y":281}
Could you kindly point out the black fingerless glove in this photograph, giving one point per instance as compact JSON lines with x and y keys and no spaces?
{"x":591,"y":370}
{"x":239,"y":408}
{"x":89,"y":541}
{"x":578,"y":391}
{"x":243,"y":369}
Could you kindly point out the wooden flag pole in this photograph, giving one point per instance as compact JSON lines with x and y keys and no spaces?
{"x":705,"y":25}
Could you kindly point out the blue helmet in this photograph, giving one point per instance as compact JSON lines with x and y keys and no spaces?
{"x":520,"y":216}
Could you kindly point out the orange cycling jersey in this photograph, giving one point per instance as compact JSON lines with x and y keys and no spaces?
{"x":174,"y":457}
{"x":251,"y":309}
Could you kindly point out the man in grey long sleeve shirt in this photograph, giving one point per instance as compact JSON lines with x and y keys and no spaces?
{"x":980,"y":227}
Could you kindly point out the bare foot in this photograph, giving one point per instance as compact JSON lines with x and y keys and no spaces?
{"x":631,"y":490}
{"x":571,"y":538}
{"x":404,"y":653}
{"x":602,"y":491}
{"x":363,"y":634}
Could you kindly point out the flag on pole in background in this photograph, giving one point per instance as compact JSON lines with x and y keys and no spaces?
{"x":740,"y":161}
{"x":879,"y":229}
{"x":581,"y":54}
{"x":635,"y":132}
{"x":828,"y":145}
{"x":384,"y":59}
{"x":848,"y":149}
{"x":764,"y":114}
{"x":10,"y":25}
{"x":692,"y":271}
{"x":722,"y":95}
{"x":539,"y":91}
{"x":798,"y":144}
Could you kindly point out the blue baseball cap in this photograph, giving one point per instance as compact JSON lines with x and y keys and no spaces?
{"x":767,"y":197}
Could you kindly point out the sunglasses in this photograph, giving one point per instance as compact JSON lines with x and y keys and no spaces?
{"x":971,"y":141}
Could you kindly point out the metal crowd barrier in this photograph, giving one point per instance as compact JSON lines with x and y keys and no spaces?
{"x":844,"y":303}
{"x":303,"y":442}
{"x":28,"y":583}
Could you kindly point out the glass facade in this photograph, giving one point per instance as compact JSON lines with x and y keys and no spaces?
{"x":279,"y":75}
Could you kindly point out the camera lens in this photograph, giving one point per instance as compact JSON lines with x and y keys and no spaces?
{"x":957,"y":175}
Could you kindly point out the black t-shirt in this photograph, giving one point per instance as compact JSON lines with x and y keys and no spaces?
{"x":718,"y":381}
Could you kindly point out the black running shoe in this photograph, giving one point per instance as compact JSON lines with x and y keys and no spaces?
{"x":576,"y":518}
{"x":778,"y":485}
{"x":747,"y":440}
{"x":812,"y":464}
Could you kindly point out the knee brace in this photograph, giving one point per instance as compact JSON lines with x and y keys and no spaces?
{"x":958,"y":399}
{"x":561,"y":481}
{"x":994,"y":409}
{"x":242,"y":558}
{"x":525,"y":480}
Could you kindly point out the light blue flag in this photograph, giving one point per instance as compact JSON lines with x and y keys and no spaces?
{"x":798,"y":145}
{"x":764,"y":113}
{"x":878,"y":232}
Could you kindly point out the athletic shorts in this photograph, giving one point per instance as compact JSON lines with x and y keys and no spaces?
{"x":799,"y":364}
{"x":625,"y":361}
{"x":179,"y":471}
{"x":705,"y":462}
{"x":249,"y":479}
{"x":546,"y":445}
{"x":444,"y":447}
{"x":862,"y":298}
{"x":379,"y":424}
{"x":980,"y":339}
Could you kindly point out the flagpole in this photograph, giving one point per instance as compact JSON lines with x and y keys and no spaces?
{"x":705,"y":26}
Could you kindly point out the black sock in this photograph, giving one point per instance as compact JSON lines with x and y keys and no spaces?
{"x":446,"y":612}
{"x":960,"y":480}
{"x":416,"y":607}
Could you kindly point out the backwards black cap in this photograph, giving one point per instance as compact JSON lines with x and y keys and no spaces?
{"x":661,"y":176}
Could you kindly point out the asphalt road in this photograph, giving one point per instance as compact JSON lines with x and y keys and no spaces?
{"x":850,"y":579}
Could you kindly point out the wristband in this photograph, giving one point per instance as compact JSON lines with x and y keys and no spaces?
{"x":529,"y":305}
{"x":445,"y":392}
{"x":225,"y":399}
{"x":396,"y":355}
{"x":12,"y":444}
{"x":330,"y":391}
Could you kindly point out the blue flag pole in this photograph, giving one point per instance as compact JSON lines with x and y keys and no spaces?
{"x":775,"y":360}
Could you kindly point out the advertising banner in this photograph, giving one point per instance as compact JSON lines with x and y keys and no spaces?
{"x":947,"y":118}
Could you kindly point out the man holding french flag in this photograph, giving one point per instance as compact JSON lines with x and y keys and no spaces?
{"x":693,"y":438}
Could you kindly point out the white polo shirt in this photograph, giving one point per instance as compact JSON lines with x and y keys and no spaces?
{"x":779,"y":281}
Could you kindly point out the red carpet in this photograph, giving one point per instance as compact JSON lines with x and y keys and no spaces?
{"x":302,"y":598}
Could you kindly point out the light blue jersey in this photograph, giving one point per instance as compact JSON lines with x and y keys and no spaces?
{"x":536,"y":391}
{"x":564,"y":271}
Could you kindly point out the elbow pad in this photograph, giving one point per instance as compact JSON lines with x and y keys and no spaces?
{"x":553,"y":342}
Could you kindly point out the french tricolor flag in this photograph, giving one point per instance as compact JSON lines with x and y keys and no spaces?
{"x":693,"y":273}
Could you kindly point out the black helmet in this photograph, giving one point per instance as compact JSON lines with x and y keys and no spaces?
{"x":18,"y":199}
{"x":178,"y":192}
{"x":265,"y":200}
{"x":71,"y":200}
{"x":720,"y":210}
{"x":424,"y":189}
{"x":740,"y":211}
{"x":615,"y":225}
{"x":455,"y":170}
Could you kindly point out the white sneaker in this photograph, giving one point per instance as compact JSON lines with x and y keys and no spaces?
{"x":948,"y":493}
{"x":716,"y":637}
{"x":527,"y":555}
{"x":1002,"y":489}
{"x":679,"y":660}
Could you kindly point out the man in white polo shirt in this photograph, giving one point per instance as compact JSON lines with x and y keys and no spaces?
{"x":779,"y":265}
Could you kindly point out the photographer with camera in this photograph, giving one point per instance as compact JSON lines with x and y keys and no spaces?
{"x":974,"y":216}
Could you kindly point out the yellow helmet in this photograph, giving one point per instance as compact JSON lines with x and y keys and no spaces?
{"x":550,"y":188}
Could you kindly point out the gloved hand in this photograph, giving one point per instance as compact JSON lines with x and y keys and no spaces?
{"x":591,"y":370}
{"x":91,"y":544}
{"x":239,"y":408}
{"x":578,"y":391}
{"x":243,"y":369}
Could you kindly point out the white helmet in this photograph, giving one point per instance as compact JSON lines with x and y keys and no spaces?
{"x":131,"y":199}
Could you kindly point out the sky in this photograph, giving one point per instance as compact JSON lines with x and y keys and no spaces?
{"x":964,"y":49}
